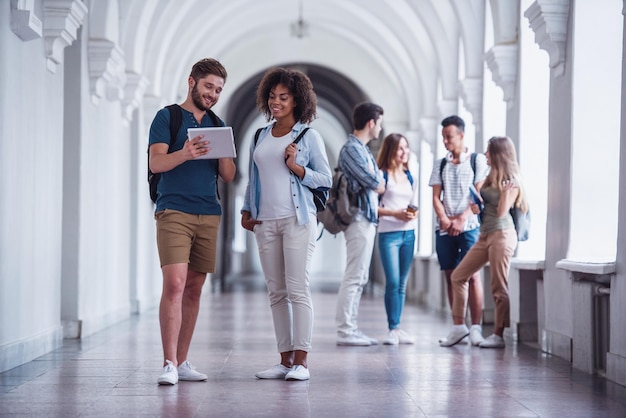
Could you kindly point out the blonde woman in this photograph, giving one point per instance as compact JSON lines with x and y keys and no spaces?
{"x":503,"y":188}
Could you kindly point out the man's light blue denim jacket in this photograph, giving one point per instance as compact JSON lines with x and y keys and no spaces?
{"x":353,"y":158}
{"x":317,"y":175}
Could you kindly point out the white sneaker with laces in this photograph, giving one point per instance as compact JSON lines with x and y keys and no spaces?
{"x":169,"y":375}
{"x":455,"y":336}
{"x":404,"y":337}
{"x":476,"y":334}
{"x":186,"y":371}
{"x":392,"y":338}
{"x":278,"y":371}
{"x":298,"y":372}
{"x":492,"y":341}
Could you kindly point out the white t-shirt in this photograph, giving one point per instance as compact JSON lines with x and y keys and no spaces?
{"x":397,"y":196}
{"x":276,"y":201}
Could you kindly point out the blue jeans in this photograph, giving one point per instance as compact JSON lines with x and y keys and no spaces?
{"x":451,"y":250}
{"x":396,"y":254}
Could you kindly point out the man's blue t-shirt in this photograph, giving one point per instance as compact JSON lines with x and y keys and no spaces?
{"x":190,"y":187}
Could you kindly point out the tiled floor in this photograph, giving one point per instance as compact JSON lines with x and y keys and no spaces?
{"x":113,"y":373}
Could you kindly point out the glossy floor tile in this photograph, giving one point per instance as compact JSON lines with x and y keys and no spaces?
{"x":113,"y":373}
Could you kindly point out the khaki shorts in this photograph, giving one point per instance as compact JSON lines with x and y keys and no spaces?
{"x":187,"y":238}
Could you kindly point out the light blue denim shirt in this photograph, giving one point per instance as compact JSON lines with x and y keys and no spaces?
{"x":317,"y":175}
{"x":354,"y":158}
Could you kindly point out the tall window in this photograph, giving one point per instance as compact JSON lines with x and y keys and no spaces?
{"x":534,"y":91}
{"x":596,"y":55}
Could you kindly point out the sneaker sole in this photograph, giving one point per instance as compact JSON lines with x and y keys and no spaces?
{"x":363,"y":344}
{"x":454,"y":343}
{"x":192,"y":379}
{"x":296,"y":379}
{"x":274,"y":377}
{"x":166,"y":383}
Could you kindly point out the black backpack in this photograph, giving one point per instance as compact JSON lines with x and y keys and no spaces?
{"x":319,"y":196}
{"x":176,"y":120}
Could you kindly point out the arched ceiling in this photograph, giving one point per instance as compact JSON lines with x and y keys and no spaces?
{"x":402,"y":54}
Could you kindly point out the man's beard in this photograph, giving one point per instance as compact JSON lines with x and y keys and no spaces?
{"x":197,"y":99}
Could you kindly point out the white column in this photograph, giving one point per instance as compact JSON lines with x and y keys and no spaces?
{"x":616,"y":358}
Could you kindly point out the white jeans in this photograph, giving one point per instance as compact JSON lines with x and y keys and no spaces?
{"x":360,"y":237}
{"x":285,"y":251}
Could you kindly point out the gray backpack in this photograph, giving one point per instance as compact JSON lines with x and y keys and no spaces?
{"x":342,"y":205}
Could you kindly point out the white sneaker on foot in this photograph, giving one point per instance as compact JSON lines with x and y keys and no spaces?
{"x":404,"y":337}
{"x":354,"y":340}
{"x":169,"y":375}
{"x":298,"y":372}
{"x":492,"y":341}
{"x":455,"y":336}
{"x":392,"y":338}
{"x":476,"y":334}
{"x":373,"y":341}
{"x":186,"y":371}
{"x":277,"y":371}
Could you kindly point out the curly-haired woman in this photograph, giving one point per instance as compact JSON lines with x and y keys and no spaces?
{"x":280,"y":210}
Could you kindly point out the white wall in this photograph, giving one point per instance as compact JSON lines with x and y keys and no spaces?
{"x":30,"y":207}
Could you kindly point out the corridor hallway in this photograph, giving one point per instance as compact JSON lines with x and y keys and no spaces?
{"x":113,"y":372}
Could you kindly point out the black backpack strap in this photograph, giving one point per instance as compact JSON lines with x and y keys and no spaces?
{"x":299,"y":137}
{"x":443,"y":163}
{"x":214,"y":118}
{"x":176,"y":119}
{"x":256,"y":135}
{"x":473,"y":164}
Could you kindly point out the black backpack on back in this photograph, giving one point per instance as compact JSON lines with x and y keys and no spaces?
{"x":176,"y":120}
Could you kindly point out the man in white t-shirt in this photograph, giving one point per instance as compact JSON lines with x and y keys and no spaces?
{"x":457,"y":227}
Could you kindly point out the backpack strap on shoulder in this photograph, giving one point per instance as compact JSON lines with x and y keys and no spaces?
{"x":214,"y":118}
{"x":473,"y":165}
{"x":410,"y":177}
{"x":443,"y":163}
{"x":386,"y":178}
{"x":176,"y":119}
{"x":256,"y":135}
{"x":299,"y":137}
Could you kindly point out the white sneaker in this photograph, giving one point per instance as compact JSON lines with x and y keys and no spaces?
{"x":476,"y":334}
{"x":455,"y":336}
{"x":169,"y":375}
{"x":186,"y":371}
{"x":277,"y":371}
{"x":492,"y":341}
{"x":373,"y":341}
{"x":354,"y":340}
{"x":298,"y":372}
{"x":392,"y":338}
{"x":404,"y":337}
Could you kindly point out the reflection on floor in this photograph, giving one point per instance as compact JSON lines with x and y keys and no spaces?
{"x":113,"y":373}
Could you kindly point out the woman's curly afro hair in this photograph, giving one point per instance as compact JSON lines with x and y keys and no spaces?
{"x":298,"y":84}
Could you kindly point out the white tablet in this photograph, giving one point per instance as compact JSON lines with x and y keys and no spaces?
{"x":221,"y":141}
